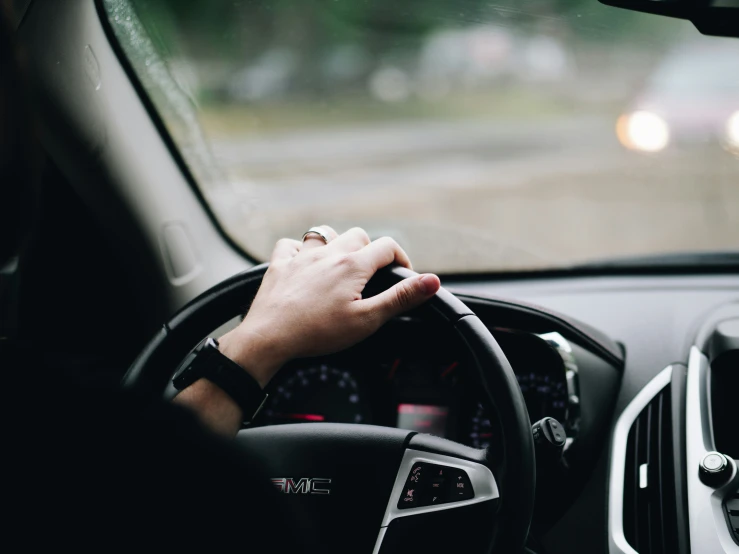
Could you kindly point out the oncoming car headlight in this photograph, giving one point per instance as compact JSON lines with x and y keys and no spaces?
{"x":643,"y":130}
{"x":732,"y":133}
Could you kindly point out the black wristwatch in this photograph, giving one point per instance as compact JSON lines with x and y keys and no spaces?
{"x":207,"y":362}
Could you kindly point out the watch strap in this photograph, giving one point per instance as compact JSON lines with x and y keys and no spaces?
{"x":209,"y":363}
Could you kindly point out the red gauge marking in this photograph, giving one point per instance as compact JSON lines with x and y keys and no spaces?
{"x":393,"y":369}
{"x":301,"y":417}
{"x":448,"y":370}
{"x":485,"y":435}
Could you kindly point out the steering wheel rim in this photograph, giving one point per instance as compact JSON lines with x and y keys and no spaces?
{"x":153,"y":368}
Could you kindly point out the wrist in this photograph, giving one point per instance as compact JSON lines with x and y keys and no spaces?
{"x":253,"y":351}
{"x":214,"y":407}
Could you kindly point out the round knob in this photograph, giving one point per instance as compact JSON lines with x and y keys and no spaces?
{"x":715,"y":469}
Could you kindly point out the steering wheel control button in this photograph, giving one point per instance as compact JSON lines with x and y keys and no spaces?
{"x":714,"y":469}
{"x":461,"y":488}
{"x":409,"y":498}
{"x":430,"y":484}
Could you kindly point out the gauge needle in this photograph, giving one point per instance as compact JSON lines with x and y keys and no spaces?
{"x":302,"y":417}
{"x":449,"y":369}
{"x":393,"y":369}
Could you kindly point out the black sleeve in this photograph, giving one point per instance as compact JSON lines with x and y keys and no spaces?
{"x":99,"y":469}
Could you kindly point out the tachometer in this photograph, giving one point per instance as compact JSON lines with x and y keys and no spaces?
{"x":481,"y":429}
{"x":545,"y":395}
{"x":314,"y":394}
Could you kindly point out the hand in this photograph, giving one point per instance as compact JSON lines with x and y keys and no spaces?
{"x":310,"y":301}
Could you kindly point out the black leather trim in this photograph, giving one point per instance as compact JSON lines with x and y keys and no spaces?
{"x":446,"y":532}
{"x":537,"y":319}
{"x":518,"y":487}
{"x":361,"y":462}
{"x":154,"y":354}
{"x":432,"y":443}
{"x":190,"y":325}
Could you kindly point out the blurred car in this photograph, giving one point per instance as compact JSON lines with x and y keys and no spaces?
{"x":692,"y":98}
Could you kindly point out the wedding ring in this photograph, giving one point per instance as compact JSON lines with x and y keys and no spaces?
{"x":316,"y":231}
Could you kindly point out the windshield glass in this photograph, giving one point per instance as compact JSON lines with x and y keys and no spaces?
{"x":482,"y":136}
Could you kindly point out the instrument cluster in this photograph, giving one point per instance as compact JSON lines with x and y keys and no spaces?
{"x":408,"y":377}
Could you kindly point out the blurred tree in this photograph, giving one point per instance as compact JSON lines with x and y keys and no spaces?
{"x":240,"y":32}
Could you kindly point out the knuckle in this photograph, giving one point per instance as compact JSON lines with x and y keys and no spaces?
{"x":283,"y":245}
{"x":329,"y":230}
{"x":388,"y":242}
{"x":361,"y":234}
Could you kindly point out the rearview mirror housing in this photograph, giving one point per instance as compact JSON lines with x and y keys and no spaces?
{"x":711,"y":17}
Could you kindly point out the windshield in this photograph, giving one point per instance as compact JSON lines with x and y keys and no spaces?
{"x":481,"y":136}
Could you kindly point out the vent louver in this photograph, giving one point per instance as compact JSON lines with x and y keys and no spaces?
{"x":732,"y":514}
{"x":649,"y":514}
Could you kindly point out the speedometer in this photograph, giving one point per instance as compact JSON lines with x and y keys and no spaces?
{"x":316,"y":393}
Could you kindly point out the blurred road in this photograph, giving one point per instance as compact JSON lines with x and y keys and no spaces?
{"x":318,"y":167}
{"x":481,"y":195}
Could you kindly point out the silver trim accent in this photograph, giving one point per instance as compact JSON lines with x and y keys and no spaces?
{"x":708,"y":529}
{"x":616,"y":538}
{"x":483,"y":482}
{"x":378,"y":543}
{"x":572,"y":415}
{"x":643,"y":473}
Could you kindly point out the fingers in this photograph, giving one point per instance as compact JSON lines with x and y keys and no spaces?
{"x":314,"y":241}
{"x":382,"y":252}
{"x":354,"y":239}
{"x":285,"y":249}
{"x":406,"y":295}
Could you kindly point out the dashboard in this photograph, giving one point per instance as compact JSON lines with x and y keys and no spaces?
{"x":412,"y":376}
{"x":415,"y":376}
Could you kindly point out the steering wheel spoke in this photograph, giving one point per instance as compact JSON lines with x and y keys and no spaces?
{"x":431,"y":482}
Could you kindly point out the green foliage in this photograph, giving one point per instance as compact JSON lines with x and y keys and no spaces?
{"x":231,"y":29}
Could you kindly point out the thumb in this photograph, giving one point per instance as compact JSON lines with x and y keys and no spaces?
{"x":401,"y":297}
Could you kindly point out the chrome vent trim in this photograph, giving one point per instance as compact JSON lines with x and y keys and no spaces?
{"x":709,"y":531}
{"x":616,"y":538}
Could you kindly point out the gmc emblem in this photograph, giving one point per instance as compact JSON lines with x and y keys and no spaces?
{"x":304,"y":485}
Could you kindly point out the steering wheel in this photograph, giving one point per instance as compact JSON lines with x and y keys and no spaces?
{"x":364,"y":488}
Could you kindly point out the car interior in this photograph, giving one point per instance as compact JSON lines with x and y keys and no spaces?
{"x":615,"y":431}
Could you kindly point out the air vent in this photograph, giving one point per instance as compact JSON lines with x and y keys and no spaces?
{"x":732,"y":513}
{"x":649,"y":515}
